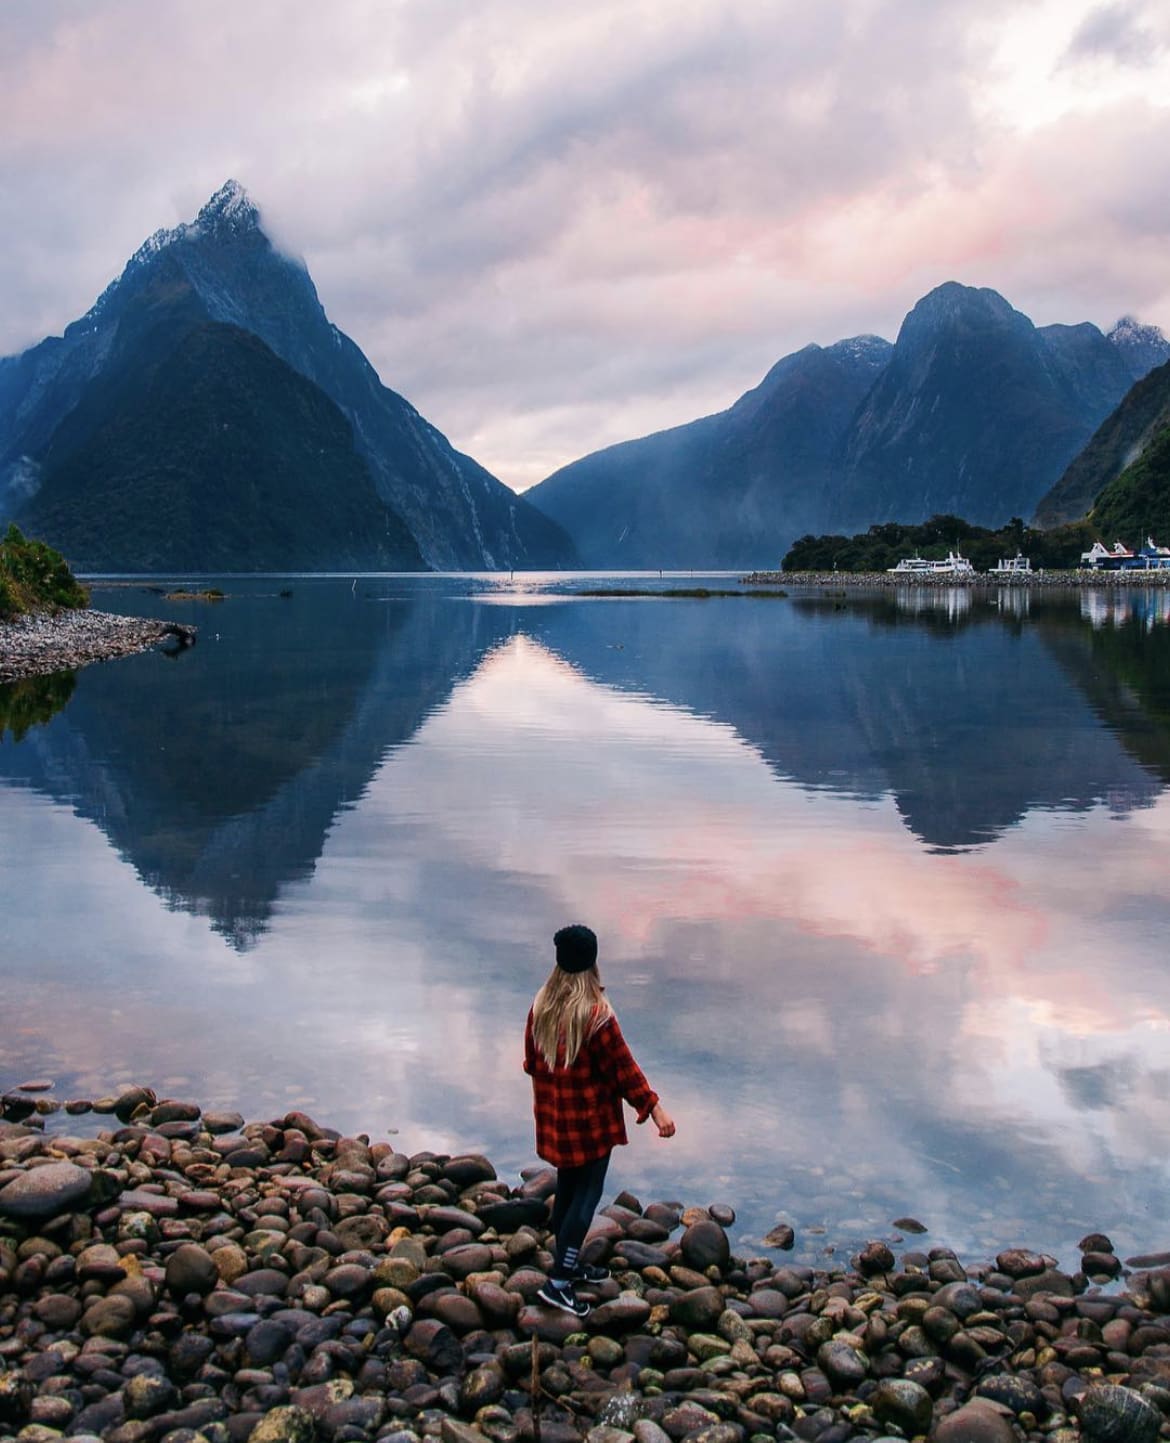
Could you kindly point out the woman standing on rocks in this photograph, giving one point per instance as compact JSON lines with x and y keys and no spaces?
{"x":581,"y":1070}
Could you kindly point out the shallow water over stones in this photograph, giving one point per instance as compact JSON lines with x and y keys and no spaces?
{"x":880,"y":886}
{"x":317,"y":1300}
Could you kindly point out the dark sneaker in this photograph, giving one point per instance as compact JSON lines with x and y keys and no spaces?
{"x":561,"y":1295}
{"x":590,"y":1273}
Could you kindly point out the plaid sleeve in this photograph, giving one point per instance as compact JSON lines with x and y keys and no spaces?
{"x":616,"y":1061}
{"x":529,"y":1046}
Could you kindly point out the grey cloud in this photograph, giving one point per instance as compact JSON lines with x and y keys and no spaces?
{"x":1116,"y":32}
{"x":1100,"y":1086}
{"x":542,"y":226}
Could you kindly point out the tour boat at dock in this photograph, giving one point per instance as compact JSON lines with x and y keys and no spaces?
{"x":1017,"y":565}
{"x":954,"y":565}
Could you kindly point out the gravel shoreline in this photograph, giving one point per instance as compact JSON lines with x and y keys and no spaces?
{"x":42,"y":643}
{"x":1051,"y":580}
{"x":186,"y":1277}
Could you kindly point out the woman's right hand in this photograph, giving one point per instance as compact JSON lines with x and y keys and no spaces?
{"x":662,"y":1120}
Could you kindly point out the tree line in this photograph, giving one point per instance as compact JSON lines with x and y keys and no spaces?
{"x":886,"y":543}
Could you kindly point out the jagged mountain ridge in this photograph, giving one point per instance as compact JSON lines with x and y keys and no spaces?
{"x":726,"y":489}
{"x":978,"y":412}
{"x":973,"y":411}
{"x":458,"y":513}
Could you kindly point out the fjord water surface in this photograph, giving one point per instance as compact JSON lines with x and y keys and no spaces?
{"x":879,"y":880}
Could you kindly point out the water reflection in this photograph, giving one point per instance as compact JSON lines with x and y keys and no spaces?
{"x":969,"y":722}
{"x":33,"y":702}
{"x":1149,"y":609}
{"x":848,"y":1026}
{"x":953,"y":602}
{"x":779,"y":819}
{"x":219,"y":777}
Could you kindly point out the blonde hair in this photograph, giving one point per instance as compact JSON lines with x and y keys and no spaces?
{"x":570,"y":1007}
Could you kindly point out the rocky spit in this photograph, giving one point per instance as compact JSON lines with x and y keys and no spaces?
{"x":183,"y":1276}
{"x":983,"y":581}
{"x":41,"y":643}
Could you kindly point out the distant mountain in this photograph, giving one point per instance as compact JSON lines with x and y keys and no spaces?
{"x":1141,"y":347}
{"x":1121,"y":440}
{"x":974,"y":412}
{"x":223,"y":269}
{"x":731,"y":489}
{"x":976,"y":415}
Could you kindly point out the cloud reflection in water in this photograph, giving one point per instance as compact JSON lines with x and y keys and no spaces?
{"x":847,"y":1026}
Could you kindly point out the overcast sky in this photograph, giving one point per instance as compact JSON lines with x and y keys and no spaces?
{"x":556,"y":226}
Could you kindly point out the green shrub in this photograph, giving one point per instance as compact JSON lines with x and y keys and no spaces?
{"x":34,"y":577}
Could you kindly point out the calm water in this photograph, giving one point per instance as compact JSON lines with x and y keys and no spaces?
{"x":881,"y":885}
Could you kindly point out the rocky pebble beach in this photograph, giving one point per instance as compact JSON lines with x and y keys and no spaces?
{"x":184,"y":1276}
{"x":41,"y":643}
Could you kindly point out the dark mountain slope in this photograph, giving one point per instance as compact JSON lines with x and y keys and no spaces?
{"x":459,"y":514}
{"x":1137,"y":503}
{"x":976,"y":414}
{"x":1120,"y":441}
{"x":201,"y":450}
{"x":728,"y":490}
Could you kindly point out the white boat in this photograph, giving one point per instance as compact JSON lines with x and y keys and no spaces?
{"x":954,"y":565}
{"x":1017,"y":565}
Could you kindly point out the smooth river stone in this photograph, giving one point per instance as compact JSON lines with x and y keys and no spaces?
{"x":467,"y":1259}
{"x":285,"y":1425}
{"x":172,"y":1110}
{"x":513,"y":1213}
{"x":698,"y":1309}
{"x":156,"y":1204}
{"x":705,"y":1244}
{"x":896,"y":1400}
{"x":191,"y":1269}
{"x":641,"y":1255}
{"x":468,"y":1169}
{"x":1113,"y":1414}
{"x":43,"y":1191}
{"x":443,"y":1218}
{"x":975,"y":1422}
{"x":621,"y":1314}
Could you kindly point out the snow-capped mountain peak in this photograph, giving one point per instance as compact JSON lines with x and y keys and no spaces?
{"x":230,"y":205}
{"x":229,"y":214}
{"x":229,"y":211}
{"x":1143,"y":347}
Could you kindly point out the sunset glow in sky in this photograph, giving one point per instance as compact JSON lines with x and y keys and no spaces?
{"x":552,"y":229}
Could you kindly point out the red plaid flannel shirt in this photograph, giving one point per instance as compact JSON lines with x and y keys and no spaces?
{"x":578,"y":1109}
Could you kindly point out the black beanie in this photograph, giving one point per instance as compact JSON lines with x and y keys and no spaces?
{"x":576,"y":948}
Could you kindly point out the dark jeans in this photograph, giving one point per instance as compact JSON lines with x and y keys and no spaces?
{"x":578,"y":1193}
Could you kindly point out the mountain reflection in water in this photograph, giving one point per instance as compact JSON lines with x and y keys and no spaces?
{"x":880,"y":890}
